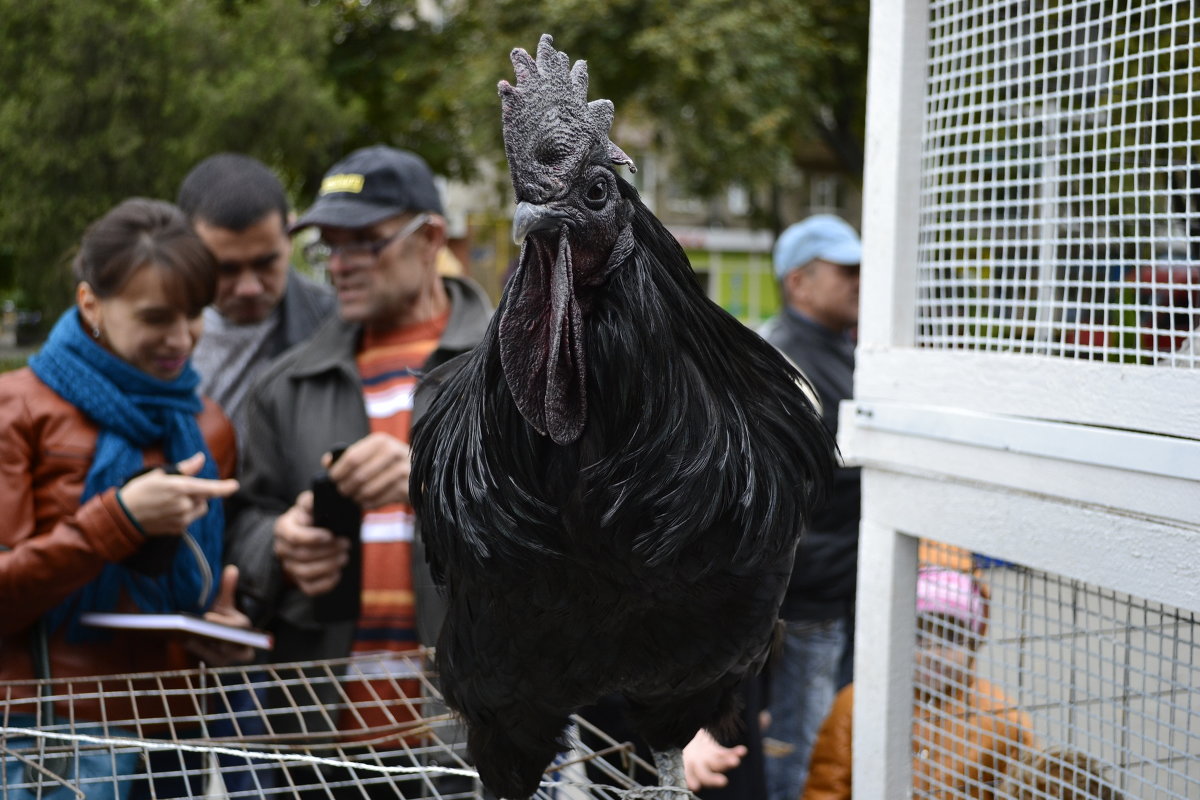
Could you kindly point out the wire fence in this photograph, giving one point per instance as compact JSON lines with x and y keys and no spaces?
{"x":1069,"y":687}
{"x":277,"y":730}
{"x":1060,"y":196}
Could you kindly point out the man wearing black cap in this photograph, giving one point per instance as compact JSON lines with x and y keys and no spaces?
{"x":381,"y":227}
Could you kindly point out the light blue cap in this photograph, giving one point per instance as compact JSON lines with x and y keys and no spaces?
{"x":822,"y":236}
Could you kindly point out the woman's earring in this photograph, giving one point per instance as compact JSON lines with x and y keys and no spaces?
{"x":95,"y":331}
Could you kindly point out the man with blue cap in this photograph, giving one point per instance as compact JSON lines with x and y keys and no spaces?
{"x":816,"y":262}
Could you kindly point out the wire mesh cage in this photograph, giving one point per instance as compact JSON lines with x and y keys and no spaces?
{"x":1031,"y":317}
{"x":1060,"y":196}
{"x":1063,"y":689}
{"x":368,"y":726}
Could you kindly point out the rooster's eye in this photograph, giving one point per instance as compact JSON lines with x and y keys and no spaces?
{"x":597,"y":194}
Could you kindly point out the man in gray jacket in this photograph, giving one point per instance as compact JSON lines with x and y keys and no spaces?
{"x":262,"y":306}
{"x":351,"y":385}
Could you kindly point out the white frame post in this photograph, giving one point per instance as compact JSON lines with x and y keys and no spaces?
{"x":886,"y":623}
{"x":884,"y":641}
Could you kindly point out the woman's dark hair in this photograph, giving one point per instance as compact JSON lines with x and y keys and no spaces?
{"x":138,"y":232}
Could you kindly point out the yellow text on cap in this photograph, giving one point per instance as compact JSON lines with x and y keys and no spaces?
{"x":342,"y":183}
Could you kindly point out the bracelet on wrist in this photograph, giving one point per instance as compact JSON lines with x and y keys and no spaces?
{"x":130,"y":515}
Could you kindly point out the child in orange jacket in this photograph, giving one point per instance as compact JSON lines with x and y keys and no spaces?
{"x":966,"y":732}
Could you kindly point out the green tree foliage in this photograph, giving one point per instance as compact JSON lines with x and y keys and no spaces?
{"x":106,"y":100}
{"x":732,"y":89}
{"x":735,"y":89}
{"x":103,"y":100}
{"x":408,"y":73}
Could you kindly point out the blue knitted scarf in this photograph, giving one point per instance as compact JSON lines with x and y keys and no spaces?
{"x":133,"y":411}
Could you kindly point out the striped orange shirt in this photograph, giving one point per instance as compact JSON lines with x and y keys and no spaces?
{"x":389,"y":364}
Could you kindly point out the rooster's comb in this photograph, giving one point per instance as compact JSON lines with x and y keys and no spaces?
{"x":549,"y":125}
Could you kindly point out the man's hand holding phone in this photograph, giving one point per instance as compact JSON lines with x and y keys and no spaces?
{"x":318,"y":542}
{"x":311,"y":556}
{"x":373,"y":471}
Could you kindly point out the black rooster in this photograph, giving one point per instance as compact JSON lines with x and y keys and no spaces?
{"x":612,"y":485}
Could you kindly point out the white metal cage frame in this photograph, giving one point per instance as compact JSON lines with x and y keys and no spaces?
{"x":1060,"y":200}
{"x":1025,"y":384}
{"x":272,"y":730}
{"x":1084,"y":670}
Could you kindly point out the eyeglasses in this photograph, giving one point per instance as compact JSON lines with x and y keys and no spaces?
{"x":320,"y":253}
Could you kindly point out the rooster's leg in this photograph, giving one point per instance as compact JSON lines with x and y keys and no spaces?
{"x":672,"y":785}
{"x":669,"y":764}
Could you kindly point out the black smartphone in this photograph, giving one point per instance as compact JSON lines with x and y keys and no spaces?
{"x":343,"y":517}
{"x":332,"y":509}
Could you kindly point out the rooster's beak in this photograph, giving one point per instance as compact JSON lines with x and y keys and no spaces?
{"x":529,"y":218}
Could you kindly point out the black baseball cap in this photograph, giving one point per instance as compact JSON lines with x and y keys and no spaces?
{"x":370,"y":185}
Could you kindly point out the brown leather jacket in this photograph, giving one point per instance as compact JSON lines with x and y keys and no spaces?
{"x":50,"y":545}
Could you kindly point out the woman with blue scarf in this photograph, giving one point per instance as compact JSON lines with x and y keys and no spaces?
{"x":111,"y":465}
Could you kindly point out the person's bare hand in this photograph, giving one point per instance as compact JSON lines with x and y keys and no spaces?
{"x":373,"y":471}
{"x":164,"y":505}
{"x":312,"y":558}
{"x":214,"y":652}
{"x":705,"y":760}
